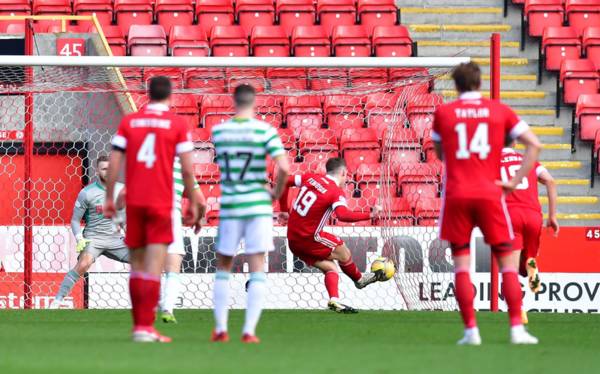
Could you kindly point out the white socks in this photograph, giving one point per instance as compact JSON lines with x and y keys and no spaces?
{"x":221,"y":300}
{"x":67,"y":285}
{"x":170,"y":292}
{"x":256,"y":296}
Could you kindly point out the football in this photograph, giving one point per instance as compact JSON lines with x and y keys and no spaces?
{"x":385,"y":266}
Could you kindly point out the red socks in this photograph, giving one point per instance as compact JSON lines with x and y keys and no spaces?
{"x":465,"y":295}
{"x":331,"y":284}
{"x":511,"y":289}
{"x":350,"y":269}
{"x":145,"y":292}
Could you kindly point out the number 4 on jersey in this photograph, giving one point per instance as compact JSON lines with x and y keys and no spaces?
{"x":146,"y":153}
{"x":479,"y":143}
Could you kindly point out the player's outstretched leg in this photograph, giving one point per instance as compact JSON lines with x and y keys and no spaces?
{"x":465,"y":295}
{"x":511,"y":289}
{"x":332,"y":279}
{"x":257,"y":289}
{"x":84,"y":262}
{"x":342,"y":254}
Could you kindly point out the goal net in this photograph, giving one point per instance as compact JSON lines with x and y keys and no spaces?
{"x":57,"y":116}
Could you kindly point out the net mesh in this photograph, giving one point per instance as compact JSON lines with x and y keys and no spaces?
{"x":379,"y":120}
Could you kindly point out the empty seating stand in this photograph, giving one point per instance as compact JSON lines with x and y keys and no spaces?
{"x":170,"y":13}
{"x":229,"y":41}
{"x":582,"y":14}
{"x":350,"y":41}
{"x":147,"y":40}
{"x":539,"y":14}
{"x":50,"y":7}
{"x":212,"y":13}
{"x":292,"y":13}
{"x":188,"y":40}
{"x":332,"y":13}
{"x":591,"y":44}
{"x":577,"y":77}
{"x":133,"y":12}
{"x":269,"y":41}
{"x":310,"y":41}
{"x":252,"y":13}
{"x":392,"y":41}
{"x":558,"y":44}
{"x":103,"y":9}
{"x":372,"y":13}
{"x":116,"y":40}
{"x":13,"y":7}
{"x":586,"y":118}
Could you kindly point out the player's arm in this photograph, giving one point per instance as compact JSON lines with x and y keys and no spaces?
{"x":187,"y":174}
{"x":79,"y":210}
{"x":201,"y":202}
{"x":120,"y":202}
{"x":546,"y":179}
{"x":292,"y":181}
{"x":344,"y":214}
{"x":114,"y":166}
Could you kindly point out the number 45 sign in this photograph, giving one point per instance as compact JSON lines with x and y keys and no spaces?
{"x":70,"y":46}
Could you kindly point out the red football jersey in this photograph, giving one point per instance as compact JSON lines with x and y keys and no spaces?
{"x":526,"y":193}
{"x":472,"y":130}
{"x":318,"y":197}
{"x":151,"y":138}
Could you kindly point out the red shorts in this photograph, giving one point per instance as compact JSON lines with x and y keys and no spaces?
{"x":148,"y":225}
{"x":527,"y":225}
{"x":315,"y":249}
{"x":461,"y":215}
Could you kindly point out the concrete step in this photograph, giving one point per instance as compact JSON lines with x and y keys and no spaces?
{"x":552,"y":151}
{"x":509,"y":65}
{"x":525,"y":82}
{"x":565,"y":169}
{"x":578,"y":219}
{"x":577,"y":200}
{"x":539,"y":116}
{"x":570,"y":187}
{"x":476,"y":32}
{"x":514,"y":98}
{"x":451,"y":14}
{"x":472,"y":48}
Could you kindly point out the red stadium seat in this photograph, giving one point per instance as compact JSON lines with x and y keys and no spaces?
{"x":252,"y":13}
{"x":401,"y":138}
{"x":50,"y":7}
{"x":357,"y":205}
{"x":350,"y":41}
{"x":587,"y":112}
{"x":415,"y":191}
{"x":591,"y":44}
{"x":215,"y":109}
{"x":302,"y":112}
{"x":364,"y":77}
{"x":229,"y":41}
{"x":344,"y":112}
{"x":543,"y":13}
{"x":254,"y":77}
{"x":15,"y":28}
{"x":170,"y":13}
{"x":200,"y":135}
{"x":288,"y":138}
{"x":326,"y":79}
{"x":116,"y":40}
{"x":416,"y":172}
{"x":188,"y":40}
{"x":558,"y":44}
{"x":212,"y":13}
{"x":147,"y":40}
{"x":133,"y":12}
{"x":577,"y":77}
{"x":359,"y":146}
{"x":207,"y":173}
{"x":400,"y":214}
{"x":332,"y":13}
{"x":427,"y":211}
{"x":204,"y":152}
{"x":356,"y":157}
{"x":372,"y":13}
{"x":416,"y":81}
{"x":315,"y":161}
{"x":396,"y":157}
{"x":269,"y":41}
{"x":268,"y":109}
{"x":310,"y":41}
{"x":420,"y":109}
{"x":292,"y":13}
{"x":209,"y":80}
{"x":103,"y":9}
{"x":582,"y":14}
{"x":175,"y":74}
{"x":392,"y":41}
{"x":368,"y":172}
{"x":211,"y":190}
{"x":13,"y":8}
{"x":317,"y":141}
{"x":186,"y":105}
{"x":287,"y":79}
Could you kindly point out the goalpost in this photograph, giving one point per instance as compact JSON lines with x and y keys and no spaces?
{"x":57,"y":116}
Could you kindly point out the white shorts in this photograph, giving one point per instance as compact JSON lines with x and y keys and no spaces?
{"x":257,"y":235}
{"x":177,"y":247}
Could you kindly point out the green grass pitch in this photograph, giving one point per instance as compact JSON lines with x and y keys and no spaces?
{"x":97,"y":341}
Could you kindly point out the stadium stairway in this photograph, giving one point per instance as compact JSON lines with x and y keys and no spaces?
{"x":459,"y":28}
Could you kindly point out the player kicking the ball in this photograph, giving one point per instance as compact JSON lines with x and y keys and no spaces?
{"x":526,"y":213}
{"x":319,"y":197}
{"x":242,"y":145}
{"x":99,"y":238}
{"x":148,"y":141}
{"x":469,"y":136}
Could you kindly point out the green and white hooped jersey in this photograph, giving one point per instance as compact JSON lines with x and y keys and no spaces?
{"x":179,"y":186}
{"x":242,"y":146}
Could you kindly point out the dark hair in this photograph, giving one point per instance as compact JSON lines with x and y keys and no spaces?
{"x":467,"y":77}
{"x":101,"y":158}
{"x":159,"y":88}
{"x":243,"y":96}
{"x":334,"y":164}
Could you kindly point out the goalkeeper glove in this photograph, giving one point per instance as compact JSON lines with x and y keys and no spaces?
{"x":81,"y":243}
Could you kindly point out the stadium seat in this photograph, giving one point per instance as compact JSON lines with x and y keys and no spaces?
{"x":13,"y":8}
{"x":332,"y":13}
{"x":315,"y":161}
{"x":343,"y":112}
{"x":170,"y":13}
{"x":595,"y":159}
{"x":577,"y":77}
{"x":419,"y":111}
{"x":310,"y":41}
{"x":416,"y":172}
{"x":355,"y":158}
{"x":103,"y":9}
{"x":15,"y":28}
{"x":204,"y":152}
{"x":582,"y":14}
{"x":288,"y":138}
{"x":269,"y":41}
{"x":212,"y":13}
{"x":188,"y":40}
{"x":427,"y":211}
{"x":367,"y":172}
{"x":416,"y":81}
{"x":229,"y":41}
{"x":317,"y":141}
{"x":415,"y":191}
{"x":357,"y":205}
{"x":133,"y":12}
{"x":359,"y":139}
{"x":252,"y":13}
{"x":302,"y":112}
{"x":558,"y":44}
{"x":200,"y":135}
{"x":208,"y":80}
{"x":207,"y":173}
{"x":287,"y":79}
{"x":399,"y":156}
{"x":372,"y":13}
{"x":254,"y":77}
{"x":326,"y":79}
{"x":367,"y":77}
{"x":401,"y":138}
{"x":587,"y":113}
{"x":591,"y":44}
{"x":292,"y":13}
{"x":116,"y":40}
{"x":147,"y":40}
{"x":268,"y":109}
{"x":541,"y":14}
{"x":211,"y":190}
{"x":392,"y":41}
{"x":174,"y":74}
{"x":350,"y":41}
{"x":186,"y":105}
{"x":50,"y":7}
{"x":215,"y":109}
{"x":400,"y":214}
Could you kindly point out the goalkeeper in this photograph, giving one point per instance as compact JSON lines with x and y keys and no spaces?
{"x":100,"y":236}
